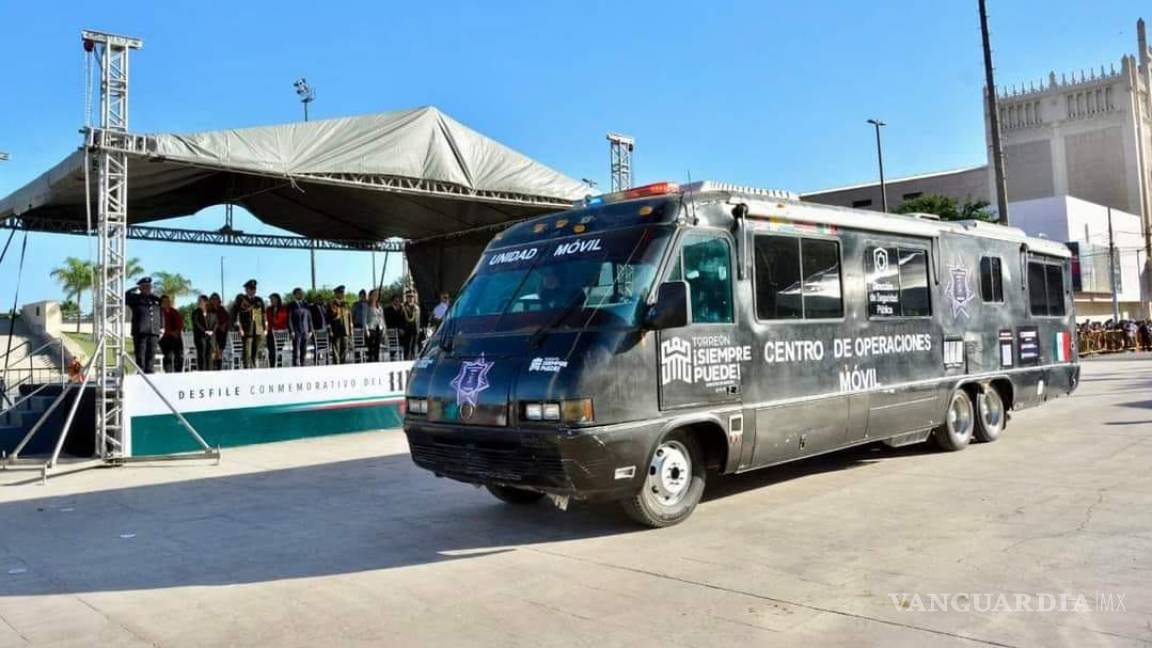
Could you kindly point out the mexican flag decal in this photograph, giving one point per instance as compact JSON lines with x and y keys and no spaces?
{"x":1063,"y":346}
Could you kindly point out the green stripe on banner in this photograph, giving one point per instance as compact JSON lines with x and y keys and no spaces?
{"x":163,"y":433}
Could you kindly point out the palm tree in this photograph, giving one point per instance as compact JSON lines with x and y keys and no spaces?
{"x":173,"y":284}
{"x":75,"y":276}
{"x":133,"y":269}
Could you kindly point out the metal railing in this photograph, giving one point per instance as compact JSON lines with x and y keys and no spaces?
{"x":13,"y":376}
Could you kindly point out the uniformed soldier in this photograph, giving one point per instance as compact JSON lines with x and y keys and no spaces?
{"x":147,"y":322}
{"x":255,"y":342}
{"x":340,"y":323}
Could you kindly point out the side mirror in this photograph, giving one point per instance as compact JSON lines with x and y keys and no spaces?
{"x":671,"y":307}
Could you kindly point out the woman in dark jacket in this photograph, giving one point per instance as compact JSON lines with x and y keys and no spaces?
{"x":223,"y":322}
{"x":204,"y":334}
{"x":277,"y":321}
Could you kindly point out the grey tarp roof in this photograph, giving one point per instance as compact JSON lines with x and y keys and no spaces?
{"x":413,"y":174}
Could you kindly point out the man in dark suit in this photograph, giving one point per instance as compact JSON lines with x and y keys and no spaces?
{"x":147,"y":321}
{"x":299,"y":326}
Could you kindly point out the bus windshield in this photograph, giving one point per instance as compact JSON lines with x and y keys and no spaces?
{"x":597,"y":280}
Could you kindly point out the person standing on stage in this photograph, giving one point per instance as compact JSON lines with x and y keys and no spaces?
{"x":299,"y":326}
{"x":410,"y":334}
{"x":441,"y":310}
{"x":277,"y":316}
{"x":245,"y":320}
{"x":204,"y":334}
{"x":253,"y":344}
{"x":360,"y":311}
{"x":340,"y":323}
{"x":147,"y":321}
{"x":172,"y":342}
{"x":319,"y":314}
{"x":375,"y":320}
{"x":223,"y":324}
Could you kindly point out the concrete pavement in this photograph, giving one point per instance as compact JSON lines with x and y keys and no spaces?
{"x":342,"y":541}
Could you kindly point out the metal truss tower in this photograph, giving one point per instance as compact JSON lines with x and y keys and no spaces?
{"x":620,"y":158}
{"x":108,"y":143}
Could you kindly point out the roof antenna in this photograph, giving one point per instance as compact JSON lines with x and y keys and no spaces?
{"x":691,"y":203}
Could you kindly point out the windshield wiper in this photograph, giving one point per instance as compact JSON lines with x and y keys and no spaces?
{"x":540,"y":333}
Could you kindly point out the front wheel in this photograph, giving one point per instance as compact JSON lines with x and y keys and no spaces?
{"x":513,"y":495}
{"x":959,"y":423}
{"x":673,"y":485}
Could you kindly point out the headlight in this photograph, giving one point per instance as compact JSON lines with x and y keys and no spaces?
{"x":417,"y":405}
{"x":551,"y":411}
{"x":569,"y":411}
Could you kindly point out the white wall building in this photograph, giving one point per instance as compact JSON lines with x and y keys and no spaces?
{"x":1068,"y":219}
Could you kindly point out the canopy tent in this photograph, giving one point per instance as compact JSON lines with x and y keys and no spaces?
{"x":415,"y":174}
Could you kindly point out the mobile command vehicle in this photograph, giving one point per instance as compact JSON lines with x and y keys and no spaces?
{"x":631,"y":346}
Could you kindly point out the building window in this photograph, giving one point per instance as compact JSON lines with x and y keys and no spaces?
{"x":862,"y":204}
{"x":797,"y":278}
{"x":897,"y":282}
{"x":913,"y":195}
{"x":991,"y":280}
{"x":1046,"y":289}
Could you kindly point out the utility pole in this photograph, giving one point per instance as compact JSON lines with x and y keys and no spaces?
{"x":880,"y":159}
{"x":307,"y":95}
{"x":1112,"y":270}
{"x":994,"y":120}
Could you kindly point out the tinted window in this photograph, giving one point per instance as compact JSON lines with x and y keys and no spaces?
{"x":708,"y":271}
{"x":1037,"y":289}
{"x":914,"y":283}
{"x":991,"y":280}
{"x":778,"y":288}
{"x":797,"y":278}
{"x":821,"y":260}
{"x":1055,"y":282}
{"x":897,"y":281}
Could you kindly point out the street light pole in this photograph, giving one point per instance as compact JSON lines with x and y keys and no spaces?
{"x":1001,"y":186}
{"x":307,"y":95}
{"x":880,"y":159}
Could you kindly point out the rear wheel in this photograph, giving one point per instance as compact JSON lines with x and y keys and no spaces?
{"x":990,"y":414}
{"x":673,"y":485}
{"x":959,"y":423}
{"x":513,"y":495}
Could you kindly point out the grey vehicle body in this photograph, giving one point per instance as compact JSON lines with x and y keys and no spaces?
{"x":805,"y":329}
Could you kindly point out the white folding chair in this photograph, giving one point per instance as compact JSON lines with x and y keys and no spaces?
{"x":322,"y":348}
{"x":283,"y":345}
{"x":235,"y":357}
{"x":359,"y":345}
{"x":189,"y":359}
{"x":390,"y":344}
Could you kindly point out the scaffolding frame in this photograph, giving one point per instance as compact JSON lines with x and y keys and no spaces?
{"x":620,"y":160}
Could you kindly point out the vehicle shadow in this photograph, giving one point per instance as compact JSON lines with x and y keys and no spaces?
{"x":335,"y":518}
{"x":720,"y":486}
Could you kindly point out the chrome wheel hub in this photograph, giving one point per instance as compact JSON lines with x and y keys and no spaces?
{"x":670,"y":473}
{"x":991,"y":410}
{"x":959,"y":417}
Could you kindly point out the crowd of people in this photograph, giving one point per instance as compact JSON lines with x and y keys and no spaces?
{"x":159,"y":327}
{"x":1114,"y":335}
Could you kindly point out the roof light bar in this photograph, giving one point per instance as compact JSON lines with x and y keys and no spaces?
{"x":645,"y":191}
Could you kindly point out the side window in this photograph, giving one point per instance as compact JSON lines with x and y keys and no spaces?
{"x":914,"y":300}
{"x":897,"y":281}
{"x":1055,"y":281}
{"x":991,"y":280}
{"x":1037,"y":288}
{"x":797,"y":278}
{"x":707,"y":267}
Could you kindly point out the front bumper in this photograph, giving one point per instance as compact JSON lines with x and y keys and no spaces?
{"x":586,"y":463}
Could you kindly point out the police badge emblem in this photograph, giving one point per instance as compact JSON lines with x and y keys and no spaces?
{"x":472,"y":379}
{"x":959,"y":289}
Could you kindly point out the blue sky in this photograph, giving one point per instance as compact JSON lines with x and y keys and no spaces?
{"x":771,"y":94}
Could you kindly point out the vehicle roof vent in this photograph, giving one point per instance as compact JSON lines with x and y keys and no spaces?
{"x":712,"y":185}
{"x":924,"y":216}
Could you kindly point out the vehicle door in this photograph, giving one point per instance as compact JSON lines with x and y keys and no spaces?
{"x":701,"y":364}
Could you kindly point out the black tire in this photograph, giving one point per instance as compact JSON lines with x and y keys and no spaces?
{"x":673,"y":485}
{"x":991,"y":416}
{"x":959,"y":423}
{"x":513,"y":495}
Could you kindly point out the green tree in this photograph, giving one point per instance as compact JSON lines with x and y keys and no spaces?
{"x":75,"y":276}
{"x":173,"y":284}
{"x":133,"y":269}
{"x":947,"y":208}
